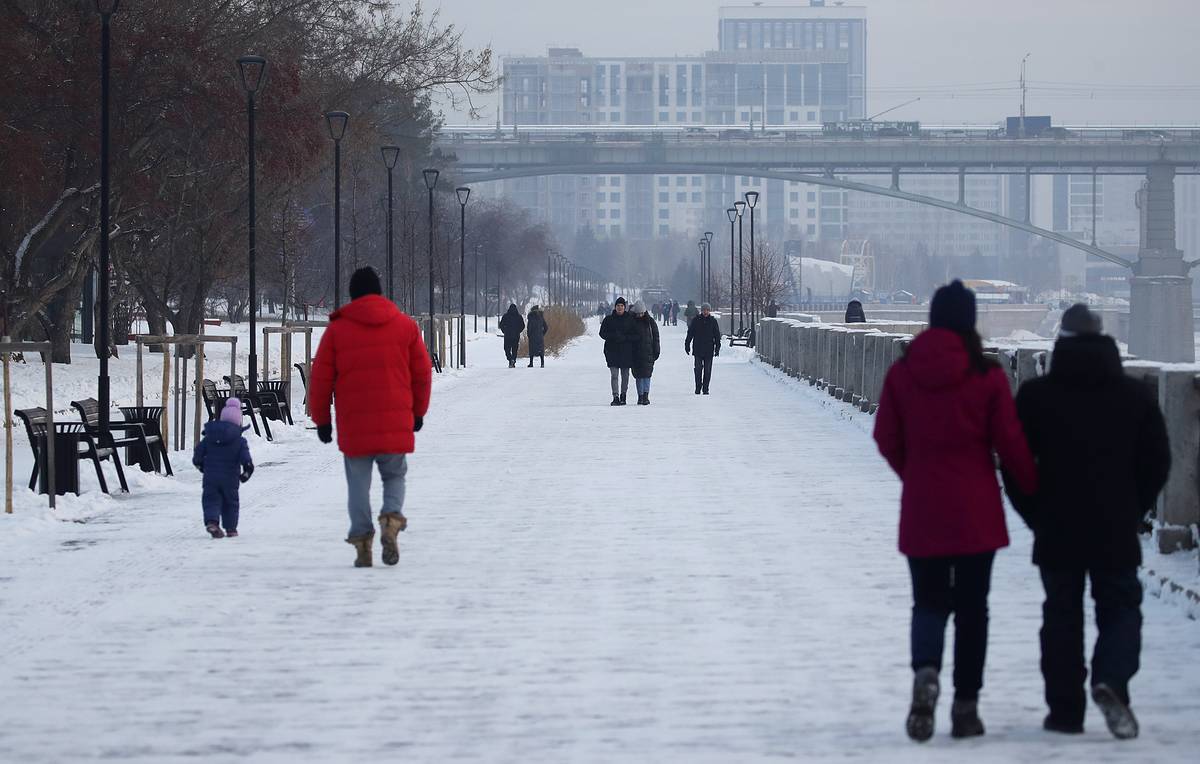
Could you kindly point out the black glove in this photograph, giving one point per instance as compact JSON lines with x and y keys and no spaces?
{"x":418,"y":423}
{"x":325,"y":433}
{"x":247,"y":471}
{"x":687,"y":349}
{"x":717,"y":351}
{"x":200,"y":467}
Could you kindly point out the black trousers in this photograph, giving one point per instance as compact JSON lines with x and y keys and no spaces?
{"x":511,"y":343}
{"x":958,"y":585}
{"x":1118,"y":596}
{"x":703,"y":371}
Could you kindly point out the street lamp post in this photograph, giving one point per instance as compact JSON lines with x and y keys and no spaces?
{"x":431,"y":178}
{"x":390,"y":155}
{"x":486,"y":295}
{"x":740,"y":206}
{"x":475,"y":310}
{"x":752,"y":200}
{"x":106,"y":8}
{"x":708,"y":237}
{"x":732,"y":214}
{"x":464,"y":193}
{"x":549,"y":279}
{"x":703,"y":286}
{"x":336,"y":120}
{"x":254,"y":71}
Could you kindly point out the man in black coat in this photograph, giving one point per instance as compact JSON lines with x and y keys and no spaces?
{"x":703,"y":342}
{"x":511,"y":324}
{"x":617,"y":332}
{"x":1101,"y":446}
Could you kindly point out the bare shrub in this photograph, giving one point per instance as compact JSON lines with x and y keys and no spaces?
{"x":564,"y":326}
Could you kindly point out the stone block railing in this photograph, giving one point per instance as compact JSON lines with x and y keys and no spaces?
{"x":850,"y":361}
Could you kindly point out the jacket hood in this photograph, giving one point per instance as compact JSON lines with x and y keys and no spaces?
{"x":512,"y":309}
{"x":1086,"y":359}
{"x":938,"y":359}
{"x":368,"y":310}
{"x":223,"y":432}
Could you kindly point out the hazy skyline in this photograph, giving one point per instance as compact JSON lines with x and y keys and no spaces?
{"x":1093,"y":62}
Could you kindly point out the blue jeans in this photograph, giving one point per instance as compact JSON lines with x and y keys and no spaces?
{"x":392,"y":468}
{"x":643,"y":386}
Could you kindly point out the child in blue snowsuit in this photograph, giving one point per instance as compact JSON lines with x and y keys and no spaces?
{"x":223,"y":455}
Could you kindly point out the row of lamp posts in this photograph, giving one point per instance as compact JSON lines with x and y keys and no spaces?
{"x":735,"y":214}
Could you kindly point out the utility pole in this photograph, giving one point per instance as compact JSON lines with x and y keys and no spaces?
{"x":1021,"y":127}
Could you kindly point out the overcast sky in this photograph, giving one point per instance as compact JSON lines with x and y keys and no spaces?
{"x":1090,"y":60}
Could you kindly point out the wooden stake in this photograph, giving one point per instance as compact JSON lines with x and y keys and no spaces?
{"x":8,"y":437}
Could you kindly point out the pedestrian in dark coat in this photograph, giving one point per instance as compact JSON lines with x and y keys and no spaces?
{"x":535,"y":330}
{"x":1101,"y":447}
{"x":511,"y":325}
{"x":772,"y":309}
{"x":646,"y":350}
{"x":223,"y":455}
{"x":944,"y":410}
{"x":854,"y":313}
{"x":703,"y":342}
{"x":618,"y":334}
{"x":690,"y":312}
{"x":674,"y":312}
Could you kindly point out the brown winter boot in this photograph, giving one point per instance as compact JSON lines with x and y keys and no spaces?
{"x":390,"y":524}
{"x":362,"y":545}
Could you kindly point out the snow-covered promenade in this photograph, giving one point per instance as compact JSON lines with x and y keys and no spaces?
{"x":710,"y":578}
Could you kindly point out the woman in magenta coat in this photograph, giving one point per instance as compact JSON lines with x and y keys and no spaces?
{"x":944,"y":411}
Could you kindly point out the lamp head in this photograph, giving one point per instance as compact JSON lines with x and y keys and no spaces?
{"x":708,"y":236}
{"x":254,"y":72}
{"x":464,"y":193}
{"x":431,"y":176}
{"x":740,"y":206}
{"x":391,"y":155}
{"x":752,"y":198}
{"x":107,"y":7}
{"x":732,"y":213}
{"x":336,"y":120}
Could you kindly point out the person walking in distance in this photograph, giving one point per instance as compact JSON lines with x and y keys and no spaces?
{"x":535,"y":330}
{"x":703,"y":342}
{"x":944,"y":410}
{"x":373,"y":364}
{"x":1101,"y":447}
{"x":690,"y":312}
{"x":511,"y":326}
{"x":646,"y":350}
{"x":223,"y":456}
{"x":854,"y":313}
{"x":617,"y":332}
{"x":674,"y":312}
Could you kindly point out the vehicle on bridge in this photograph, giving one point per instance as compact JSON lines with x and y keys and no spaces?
{"x":868,"y":128}
{"x":997,"y":292}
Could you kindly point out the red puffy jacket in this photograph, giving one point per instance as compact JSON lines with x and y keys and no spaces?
{"x":372,"y":360}
{"x":937,"y":425}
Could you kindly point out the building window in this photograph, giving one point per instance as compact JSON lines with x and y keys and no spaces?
{"x":664,"y":116}
{"x":812,"y":229}
{"x":812,"y":116}
{"x":615,"y":230}
{"x":664,"y":197}
{"x":696,"y":116}
{"x":745,"y":116}
{"x":614,"y":214}
{"x":600,"y":181}
{"x":681,"y":196}
{"x":697,"y":180}
{"x":794,"y":196}
{"x":663,"y":181}
{"x":601,"y":214}
{"x":664,"y":230}
{"x":794,"y":116}
{"x":616,"y":182}
{"x":600,"y":196}
{"x":664,"y":214}
{"x":812,"y":196}
{"x":680,"y":181}
{"x":614,"y":197}
{"x":794,"y":213}
{"x":697,"y":197}
{"x":812,"y":213}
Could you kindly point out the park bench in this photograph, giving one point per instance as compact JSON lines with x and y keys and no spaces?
{"x":36,"y":424}
{"x":214,"y":401}
{"x":269,"y":399}
{"x":304,"y":370}
{"x":143,"y":443}
{"x":742,"y":337}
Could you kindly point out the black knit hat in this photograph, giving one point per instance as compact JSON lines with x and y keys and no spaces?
{"x":365,"y":281}
{"x":953,"y":308}
{"x":620,"y":301}
{"x":1078,"y":320}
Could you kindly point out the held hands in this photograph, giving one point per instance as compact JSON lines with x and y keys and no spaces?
{"x":325,"y":433}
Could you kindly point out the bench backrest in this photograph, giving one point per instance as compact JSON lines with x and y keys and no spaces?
{"x":236,"y":383}
{"x":35,"y":421}
{"x":303,"y":369}
{"x":209,"y":389}
{"x":89,"y":411}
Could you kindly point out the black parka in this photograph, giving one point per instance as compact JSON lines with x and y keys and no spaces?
{"x":645,"y":346}
{"x":536,"y":327}
{"x":703,"y":336}
{"x":618,"y":335}
{"x":511,"y":322}
{"x":1100,"y":443}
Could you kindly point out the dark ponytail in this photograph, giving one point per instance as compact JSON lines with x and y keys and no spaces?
{"x":980,"y":363}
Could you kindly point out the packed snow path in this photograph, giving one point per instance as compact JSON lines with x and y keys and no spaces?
{"x":707,"y":578}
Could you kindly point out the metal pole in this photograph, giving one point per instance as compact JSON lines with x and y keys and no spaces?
{"x":391,"y":283}
{"x":252,"y":388}
{"x":753,"y":307}
{"x":741,"y":283}
{"x":431,"y":307}
{"x":730,"y":278}
{"x":102,"y":382}
{"x":337,"y":224}
{"x":486,"y":295}
{"x":475,"y":311}
{"x":462,"y":287}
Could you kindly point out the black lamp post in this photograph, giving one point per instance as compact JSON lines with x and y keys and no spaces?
{"x":336,"y":120}
{"x":740,"y":206}
{"x":549,"y":279}
{"x":475,"y":310}
{"x":390,"y":156}
{"x":732,"y":214}
{"x":700,"y":247}
{"x":106,"y":8}
{"x":708,"y":237}
{"x":253,"y":70}
{"x":487,"y":297}
{"x":752,"y":200}
{"x":431,"y":179}
{"x":464,"y":193}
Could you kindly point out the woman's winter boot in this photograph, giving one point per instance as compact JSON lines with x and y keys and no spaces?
{"x":964,"y":719}
{"x":531,"y":362}
{"x":616,"y":401}
{"x":543,"y":361}
{"x":390,"y":524}
{"x":924,"y":701}
{"x":362,"y":545}
{"x":623,"y":402}
{"x":214,"y":530}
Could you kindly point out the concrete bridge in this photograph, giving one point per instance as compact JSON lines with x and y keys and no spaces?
{"x":1161,"y":319}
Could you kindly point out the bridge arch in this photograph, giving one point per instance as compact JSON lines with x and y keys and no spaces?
{"x":816,"y":180}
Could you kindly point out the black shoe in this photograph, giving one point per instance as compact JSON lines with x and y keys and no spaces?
{"x":964,"y":719}
{"x":531,"y":363}
{"x":543,"y":362}
{"x":705,"y":391}
{"x":646,"y":399}
{"x":1117,"y":715}
{"x":616,"y":401}
{"x":1053,"y":724}
{"x":697,"y":391}
{"x":622,"y":399}
{"x":215,"y":531}
{"x":231,"y":534}
{"x":919,"y":724}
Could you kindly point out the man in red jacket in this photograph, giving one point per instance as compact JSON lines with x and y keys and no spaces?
{"x":372,"y":360}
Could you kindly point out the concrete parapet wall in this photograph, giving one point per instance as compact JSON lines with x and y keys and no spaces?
{"x":852,"y":360}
